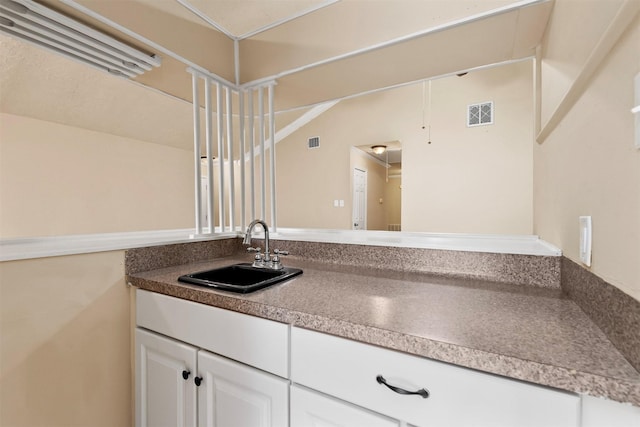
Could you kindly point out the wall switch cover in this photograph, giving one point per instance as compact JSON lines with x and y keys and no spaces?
{"x":585,"y":240}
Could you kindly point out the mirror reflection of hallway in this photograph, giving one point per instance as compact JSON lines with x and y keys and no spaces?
{"x":380,"y":194}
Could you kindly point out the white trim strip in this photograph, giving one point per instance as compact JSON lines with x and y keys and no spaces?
{"x":43,"y":247}
{"x":507,"y":244}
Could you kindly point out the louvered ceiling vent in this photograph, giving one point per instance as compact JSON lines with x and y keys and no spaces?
{"x":44,"y":27}
{"x":314,"y":142}
{"x":480,"y":114}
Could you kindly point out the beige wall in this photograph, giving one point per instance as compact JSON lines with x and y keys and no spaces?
{"x":65,"y":347}
{"x":473,"y":179}
{"x":469,"y":180}
{"x":65,"y":357}
{"x":588,"y":165}
{"x":57,"y":180}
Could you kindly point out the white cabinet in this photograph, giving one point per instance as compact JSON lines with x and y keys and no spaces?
{"x":348,"y":370}
{"x":312,"y":409}
{"x":235,"y":395}
{"x":602,"y":412}
{"x":165,"y":392}
{"x":182,"y":384}
{"x":333,"y":380}
{"x":251,"y":340}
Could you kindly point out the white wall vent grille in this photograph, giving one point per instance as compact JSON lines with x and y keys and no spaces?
{"x":480,"y":114}
{"x":44,"y":27}
{"x":314,"y":142}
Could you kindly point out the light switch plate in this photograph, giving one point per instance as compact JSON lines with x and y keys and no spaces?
{"x":585,"y":240}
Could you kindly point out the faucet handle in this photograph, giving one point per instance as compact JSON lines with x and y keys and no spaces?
{"x":275,"y":261}
{"x":258,"y":260}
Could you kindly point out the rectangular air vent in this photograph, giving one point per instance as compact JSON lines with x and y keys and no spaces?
{"x":480,"y":114}
{"x":314,"y":142}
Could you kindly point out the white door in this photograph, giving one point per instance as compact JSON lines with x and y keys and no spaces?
{"x":359,"y":199}
{"x":236,"y":395}
{"x":312,"y":409}
{"x":165,"y":390}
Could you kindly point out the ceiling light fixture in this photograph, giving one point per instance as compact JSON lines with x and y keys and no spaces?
{"x":41,"y":26}
{"x":378,"y":149}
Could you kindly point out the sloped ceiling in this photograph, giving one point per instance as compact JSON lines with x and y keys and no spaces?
{"x":369,"y":43}
{"x":317,"y":50}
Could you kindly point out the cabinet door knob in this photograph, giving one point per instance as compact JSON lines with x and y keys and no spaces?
{"x":185,"y":374}
{"x":198,"y":381}
{"x":422,"y":392}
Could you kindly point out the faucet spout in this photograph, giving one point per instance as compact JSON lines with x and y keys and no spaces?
{"x":247,"y":237}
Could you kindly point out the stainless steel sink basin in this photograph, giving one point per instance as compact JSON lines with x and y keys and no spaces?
{"x":242,"y":278}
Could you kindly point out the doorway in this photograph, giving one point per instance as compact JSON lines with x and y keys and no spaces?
{"x":359,"y":199}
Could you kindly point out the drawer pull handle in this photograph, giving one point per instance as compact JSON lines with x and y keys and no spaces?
{"x":422,"y":392}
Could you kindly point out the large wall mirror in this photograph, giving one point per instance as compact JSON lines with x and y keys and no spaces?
{"x":458,"y":158}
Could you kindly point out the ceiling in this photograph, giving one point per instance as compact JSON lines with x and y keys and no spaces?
{"x":238,"y":19}
{"x":315,"y":50}
{"x":319,"y":50}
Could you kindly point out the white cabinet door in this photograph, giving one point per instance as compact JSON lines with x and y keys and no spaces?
{"x":598,"y":412}
{"x":312,"y":409}
{"x":235,"y":395}
{"x":163,"y":396}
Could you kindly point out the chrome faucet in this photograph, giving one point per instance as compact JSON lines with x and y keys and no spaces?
{"x":263,"y":260}
{"x":247,"y":238}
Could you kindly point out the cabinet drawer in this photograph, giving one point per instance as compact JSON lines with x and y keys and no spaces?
{"x":457,"y":396}
{"x":257,"y":342}
{"x":311,"y":409}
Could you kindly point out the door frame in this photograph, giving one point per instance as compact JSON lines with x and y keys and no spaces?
{"x":353,"y":196}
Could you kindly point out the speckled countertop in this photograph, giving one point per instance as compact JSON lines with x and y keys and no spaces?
{"x":528,"y":333}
